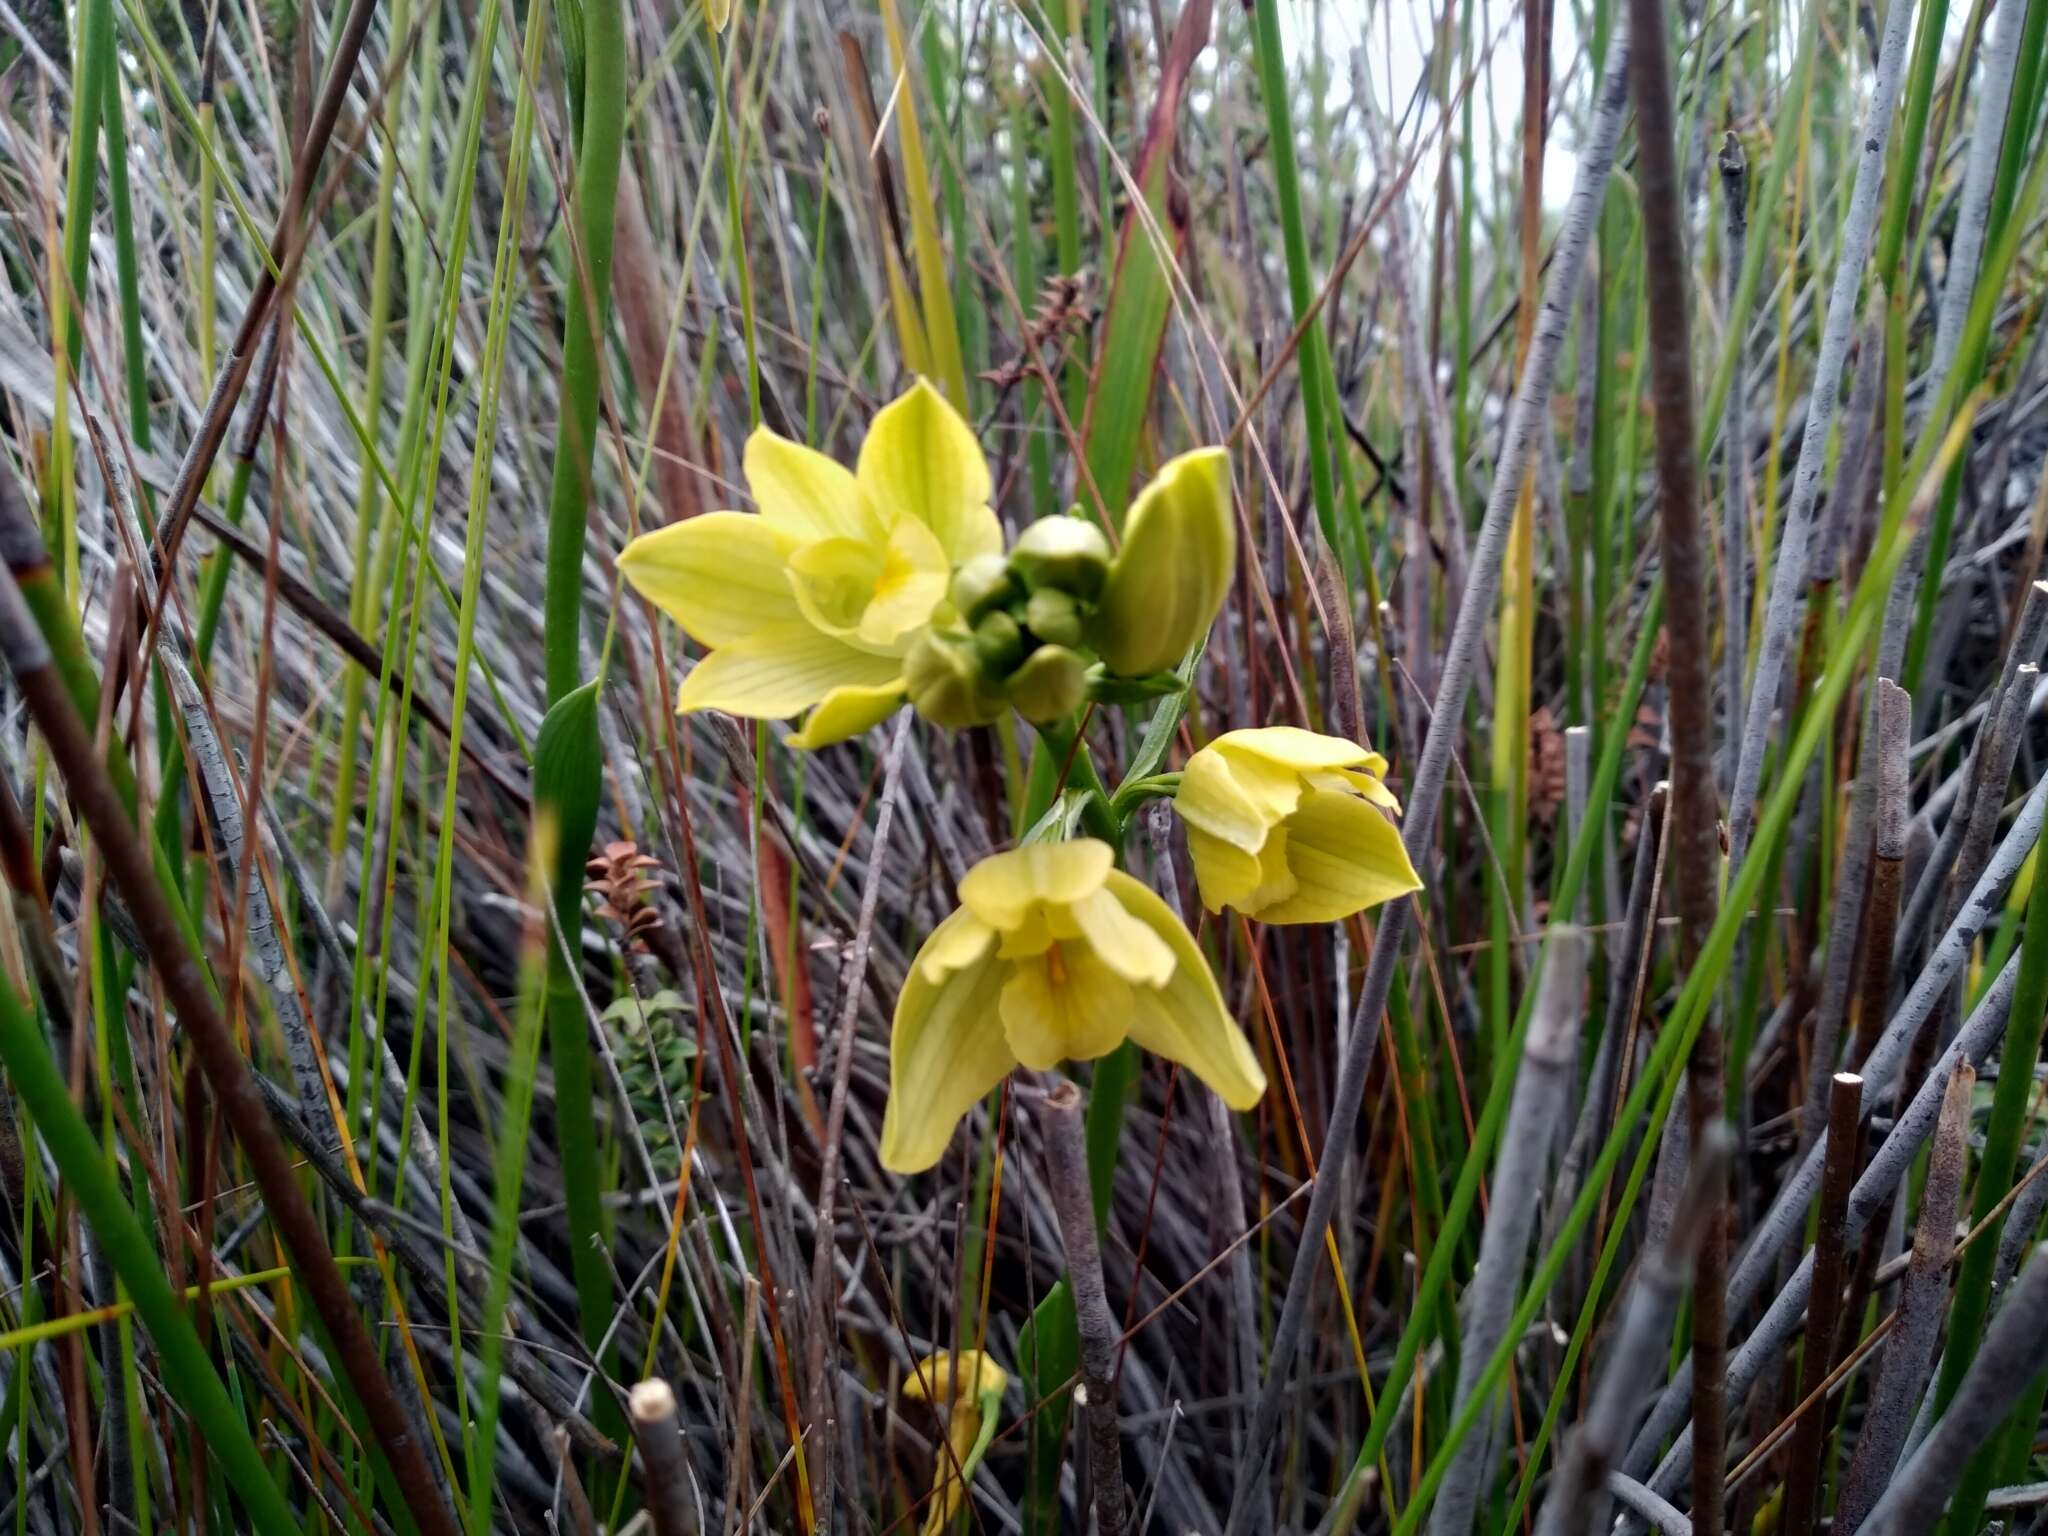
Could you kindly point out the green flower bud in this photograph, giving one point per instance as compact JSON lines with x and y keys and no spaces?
{"x":1062,"y":553}
{"x":1170,"y":577}
{"x":981,"y":584}
{"x":1054,"y":617}
{"x":1049,"y":684}
{"x":999,"y":643}
{"x":946,"y":684}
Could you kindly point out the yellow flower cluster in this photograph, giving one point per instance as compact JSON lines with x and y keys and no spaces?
{"x":847,"y":594}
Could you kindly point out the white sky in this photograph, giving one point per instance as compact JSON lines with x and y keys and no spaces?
{"x":1396,"y":36}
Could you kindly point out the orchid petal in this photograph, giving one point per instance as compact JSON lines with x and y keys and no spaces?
{"x":920,"y":461}
{"x":779,"y":671}
{"x":719,"y":576}
{"x":946,"y":1051}
{"x":1185,"y":1020}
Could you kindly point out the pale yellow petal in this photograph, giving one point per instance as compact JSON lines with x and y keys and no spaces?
{"x":1294,"y":747}
{"x":949,"y":1490}
{"x":846,"y":712}
{"x":833,"y":581}
{"x":1224,"y":873}
{"x":1345,"y":856}
{"x":947,"y":1049}
{"x":1065,"y":1005}
{"x":1277,"y":881}
{"x":1003,"y":887}
{"x":948,"y":1378}
{"x":780,"y":671}
{"x":912,"y":582}
{"x":954,"y":945}
{"x":1122,"y":943}
{"x":921,"y":461}
{"x":1371,"y":785}
{"x":806,"y":495}
{"x":719,"y":576}
{"x":1238,"y":797}
{"x":1185,"y":1020}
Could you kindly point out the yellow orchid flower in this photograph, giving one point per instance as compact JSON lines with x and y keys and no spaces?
{"x":970,"y":1390}
{"x":1054,"y":955}
{"x":812,"y":603}
{"x":1286,"y":826}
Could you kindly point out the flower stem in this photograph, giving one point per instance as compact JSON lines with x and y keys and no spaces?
{"x":1069,"y":751}
{"x":1066,"y":1166}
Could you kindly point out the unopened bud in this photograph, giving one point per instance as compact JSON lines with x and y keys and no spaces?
{"x":1050,"y":684}
{"x":998,"y":643}
{"x":982,"y":583}
{"x":1064,"y":554}
{"x":1173,"y":571}
{"x":1054,"y":617}
{"x":944,"y":679}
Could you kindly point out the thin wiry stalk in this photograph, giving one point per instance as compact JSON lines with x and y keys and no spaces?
{"x":1787,"y":579}
{"x":1887,"y":864}
{"x":1909,"y":1351}
{"x":819,"y":1385}
{"x":1541,"y":1086}
{"x":1999,"y":1373}
{"x":1734,"y":167}
{"x":1663,"y":1516}
{"x":1973,"y":209}
{"x":1525,"y":421}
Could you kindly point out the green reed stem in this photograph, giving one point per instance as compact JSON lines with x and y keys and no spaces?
{"x":599,"y":145}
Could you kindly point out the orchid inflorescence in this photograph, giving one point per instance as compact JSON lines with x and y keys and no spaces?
{"x":849,"y":594}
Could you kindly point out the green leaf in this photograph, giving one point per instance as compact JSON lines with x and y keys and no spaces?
{"x":1158,"y":737}
{"x":1048,"y":1355}
{"x":568,"y":775}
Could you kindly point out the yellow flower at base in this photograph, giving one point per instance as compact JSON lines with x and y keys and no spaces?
{"x":970,"y":1394}
{"x":812,"y":602}
{"x":1286,"y":826}
{"x":1054,"y":956}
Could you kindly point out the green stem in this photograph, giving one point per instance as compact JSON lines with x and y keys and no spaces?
{"x":597,"y":187}
{"x":1273,"y":85}
{"x":599,"y":144}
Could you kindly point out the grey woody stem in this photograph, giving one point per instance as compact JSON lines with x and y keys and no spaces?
{"x":1066,"y":1159}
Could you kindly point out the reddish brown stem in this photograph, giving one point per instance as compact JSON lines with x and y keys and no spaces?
{"x":1694,"y":820}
